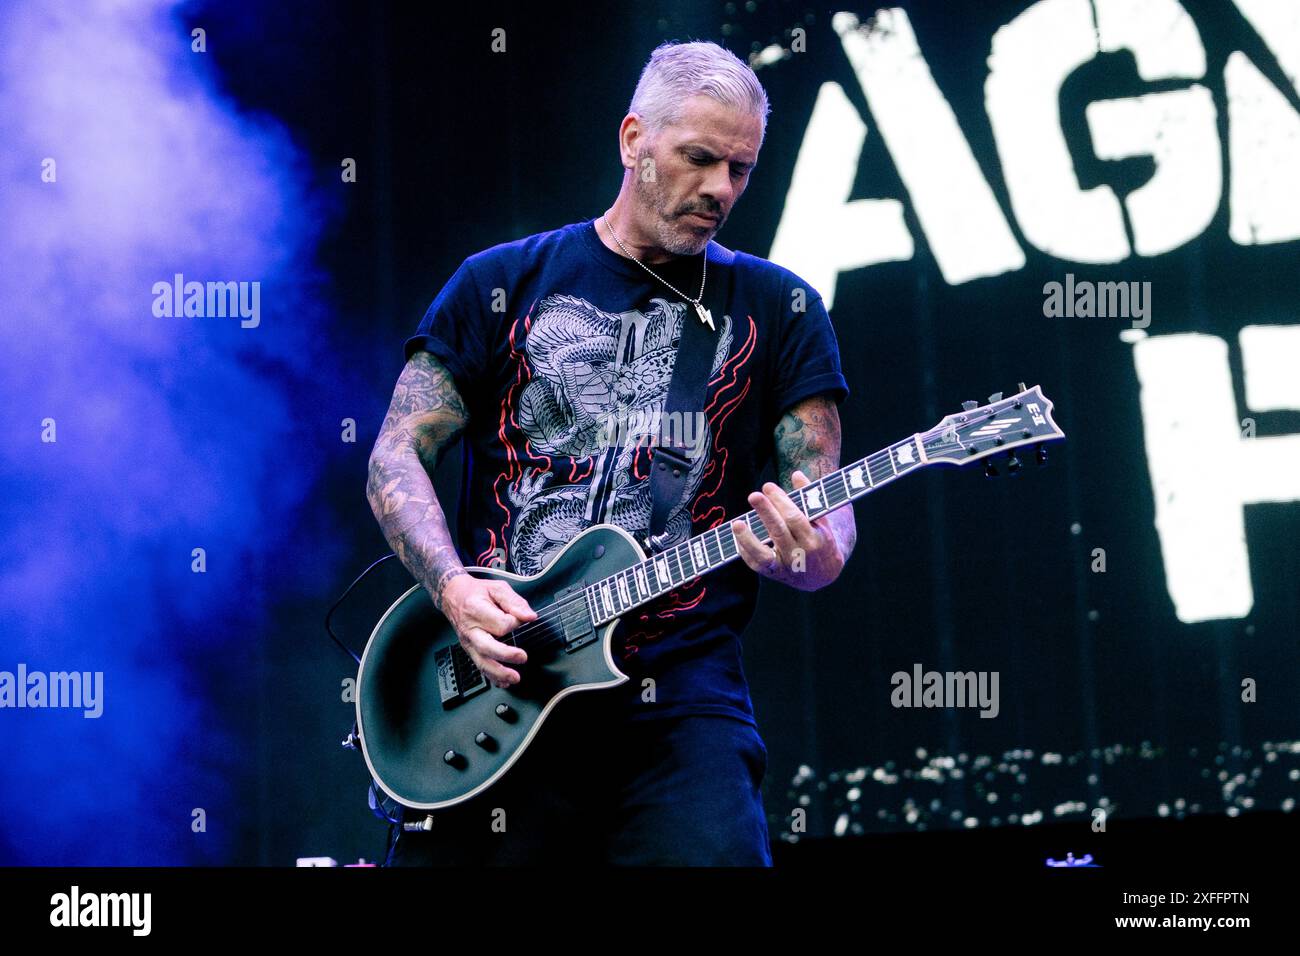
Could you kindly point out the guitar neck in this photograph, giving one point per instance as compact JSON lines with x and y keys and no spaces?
{"x":632,"y":587}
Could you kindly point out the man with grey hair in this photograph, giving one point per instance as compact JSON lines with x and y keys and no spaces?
{"x":666,"y":768}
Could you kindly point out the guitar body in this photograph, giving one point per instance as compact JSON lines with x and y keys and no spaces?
{"x":434,"y":732}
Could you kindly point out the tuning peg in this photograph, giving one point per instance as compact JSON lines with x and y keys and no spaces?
{"x":1040,"y":454}
{"x":1021,"y":388}
{"x":990,"y":469}
{"x":969,"y":406}
{"x":1013,"y":463}
{"x":995,"y":397}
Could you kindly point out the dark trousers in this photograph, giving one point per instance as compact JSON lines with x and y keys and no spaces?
{"x":595,"y":788}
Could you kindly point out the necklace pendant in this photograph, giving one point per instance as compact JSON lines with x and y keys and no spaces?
{"x":706,"y":317}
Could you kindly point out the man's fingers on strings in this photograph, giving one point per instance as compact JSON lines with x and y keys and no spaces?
{"x":796,"y":522}
{"x":489,"y":616}
{"x":758,"y":556}
{"x":510,"y":601}
{"x":480,"y":650}
{"x":772,"y":520}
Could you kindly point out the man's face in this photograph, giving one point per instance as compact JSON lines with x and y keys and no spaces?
{"x":701,"y":165}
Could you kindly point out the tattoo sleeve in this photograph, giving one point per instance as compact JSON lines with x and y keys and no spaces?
{"x":808,"y":439}
{"x":425,"y":416}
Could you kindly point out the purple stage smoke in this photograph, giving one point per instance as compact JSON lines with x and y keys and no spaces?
{"x":122,"y":168}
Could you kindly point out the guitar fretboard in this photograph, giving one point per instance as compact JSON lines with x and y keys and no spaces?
{"x":628,"y":589}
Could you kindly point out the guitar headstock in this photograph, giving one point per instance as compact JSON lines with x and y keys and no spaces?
{"x":982,"y":431}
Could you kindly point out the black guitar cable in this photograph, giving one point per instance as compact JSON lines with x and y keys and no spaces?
{"x":342,"y":597}
{"x":378,"y":803}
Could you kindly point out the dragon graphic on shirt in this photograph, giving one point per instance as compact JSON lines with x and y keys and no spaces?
{"x":590,"y":371}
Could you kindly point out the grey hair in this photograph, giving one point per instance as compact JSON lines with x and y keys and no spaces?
{"x":678,"y":71}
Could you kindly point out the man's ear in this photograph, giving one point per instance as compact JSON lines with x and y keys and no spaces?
{"x":631,"y":119}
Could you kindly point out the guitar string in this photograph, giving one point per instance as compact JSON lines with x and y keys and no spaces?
{"x":558,"y":610}
{"x":549,"y":613}
{"x":555,"y":613}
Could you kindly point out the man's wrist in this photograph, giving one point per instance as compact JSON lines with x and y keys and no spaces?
{"x":438,"y":588}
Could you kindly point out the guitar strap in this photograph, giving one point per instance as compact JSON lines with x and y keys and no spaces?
{"x":670,"y":463}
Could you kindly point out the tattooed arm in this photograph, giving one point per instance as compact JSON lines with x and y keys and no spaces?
{"x":425,"y":416}
{"x":808,"y":441}
{"x":804,"y":554}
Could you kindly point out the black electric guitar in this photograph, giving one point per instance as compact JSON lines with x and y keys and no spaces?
{"x":433,"y":729}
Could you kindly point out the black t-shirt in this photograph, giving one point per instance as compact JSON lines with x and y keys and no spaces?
{"x":562,"y":350}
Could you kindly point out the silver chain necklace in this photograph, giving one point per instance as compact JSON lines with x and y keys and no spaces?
{"x":706,"y":317}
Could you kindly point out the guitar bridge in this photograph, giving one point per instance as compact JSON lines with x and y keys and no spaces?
{"x":458,"y":676}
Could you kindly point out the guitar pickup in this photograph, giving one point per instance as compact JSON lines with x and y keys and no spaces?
{"x":578,"y":629}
